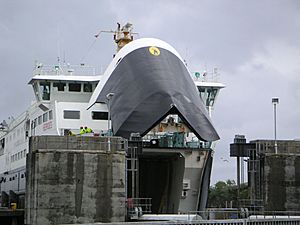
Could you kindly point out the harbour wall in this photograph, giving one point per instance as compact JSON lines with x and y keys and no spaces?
{"x":75,"y":180}
{"x":282,"y":182}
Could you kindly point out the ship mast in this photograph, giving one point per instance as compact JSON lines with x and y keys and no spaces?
{"x":122,"y":36}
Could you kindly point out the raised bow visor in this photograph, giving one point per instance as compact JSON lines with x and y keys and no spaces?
{"x":149,"y":80}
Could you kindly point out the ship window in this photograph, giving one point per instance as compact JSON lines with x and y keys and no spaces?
{"x":40,"y":120}
{"x":71,"y":114}
{"x":87,"y":87}
{"x":45,"y":89}
{"x":59,"y":86}
{"x":45,"y":117}
{"x":2,"y":143}
{"x":50,"y":115}
{"x":74,"y":87}
{"x":99,"y":115}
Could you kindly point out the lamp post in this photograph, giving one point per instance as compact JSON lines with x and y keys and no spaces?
{"x":109,"y":97}
{"x":275,"y":101}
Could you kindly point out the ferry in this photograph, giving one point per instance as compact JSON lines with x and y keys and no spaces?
{"x":68,"y":99}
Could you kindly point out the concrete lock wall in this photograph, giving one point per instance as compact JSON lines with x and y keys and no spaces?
{"x":75,"y":180}
{"x":282,"y":182}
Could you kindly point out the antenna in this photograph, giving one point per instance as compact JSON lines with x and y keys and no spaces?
{"x":122,"y":36}
{"x":58,"y":45}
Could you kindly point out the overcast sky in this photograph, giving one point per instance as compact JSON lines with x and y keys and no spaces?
{"x":254,"y":44}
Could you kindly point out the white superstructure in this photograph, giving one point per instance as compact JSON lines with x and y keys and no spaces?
{"x":60,"y":106}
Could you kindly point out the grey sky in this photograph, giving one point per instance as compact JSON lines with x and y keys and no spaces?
{"x":255,"y":45}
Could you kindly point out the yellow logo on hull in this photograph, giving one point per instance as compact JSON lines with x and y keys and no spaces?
{"x":154,"y":51}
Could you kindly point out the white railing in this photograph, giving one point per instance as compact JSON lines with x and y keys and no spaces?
{"x":63,"y":69}
{"x":204,"y":76}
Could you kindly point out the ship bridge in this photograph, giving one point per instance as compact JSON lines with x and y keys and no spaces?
{"x":54,"y":83}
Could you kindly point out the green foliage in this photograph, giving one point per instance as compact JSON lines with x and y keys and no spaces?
{"x":226,"y":192}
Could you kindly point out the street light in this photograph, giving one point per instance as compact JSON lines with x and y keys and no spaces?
{"x":275,"y":101}
{"x":109,"y":97}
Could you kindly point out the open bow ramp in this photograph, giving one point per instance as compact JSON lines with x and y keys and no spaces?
{"x":149,"y":80}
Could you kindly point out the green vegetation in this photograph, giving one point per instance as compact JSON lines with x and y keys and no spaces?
{"x":225,"y":194}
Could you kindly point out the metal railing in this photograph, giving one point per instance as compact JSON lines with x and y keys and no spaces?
{"x":64,"y":69}
{"x":244,"y":213}
{"x":136,"y":207}
{"x":77,"y":143}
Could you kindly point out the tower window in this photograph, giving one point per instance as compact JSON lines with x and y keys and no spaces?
{"x":59,"y":86}
{"x":87,"y":87}
{"x":74,"y":87}
{"x":45,"y":89}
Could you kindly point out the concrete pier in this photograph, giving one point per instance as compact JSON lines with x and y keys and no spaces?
{"x":75,"y":180}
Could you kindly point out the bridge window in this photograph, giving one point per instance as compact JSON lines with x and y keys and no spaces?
{"x":40,"y":120}
{"x":71,"y":114}
{"x":74,"y":87}
{"x":87,"y":87}
{"x":59,"y":86}
{"x":50,"y":115}
{"x":99,"y":115}
{"x":2,"y":143}
{"x":45,"y":90}
{"x":45,"y":117}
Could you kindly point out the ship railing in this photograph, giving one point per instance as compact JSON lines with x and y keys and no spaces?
{"x":136,"y":207}
{"x":78,"y":143}
{"x":204,"y":76}
{"x":76,"y":132}
{"x":64,"y":69}
{"x":242,"y":213}
{"x":170,"y":140}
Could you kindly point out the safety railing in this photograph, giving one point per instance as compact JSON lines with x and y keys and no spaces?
{"x":243,"y":213}
{"x":136,"y":207}
{"x":111,"y":144}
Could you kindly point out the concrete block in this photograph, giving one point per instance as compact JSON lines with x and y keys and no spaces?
{"x":73,"y":186}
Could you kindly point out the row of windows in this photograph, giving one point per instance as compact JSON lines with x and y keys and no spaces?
{"x":20,"y":131}
{"x":18,"y":156}
{"x":15,"y":134}
{"x":74,"y":114}
{"x":60,"y":86}
{"x":73,"y":87}
{"x":22,"y":175}
{"x":42,"y":119}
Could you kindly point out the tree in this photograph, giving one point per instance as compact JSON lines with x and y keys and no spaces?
{"x":225,"y":193}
